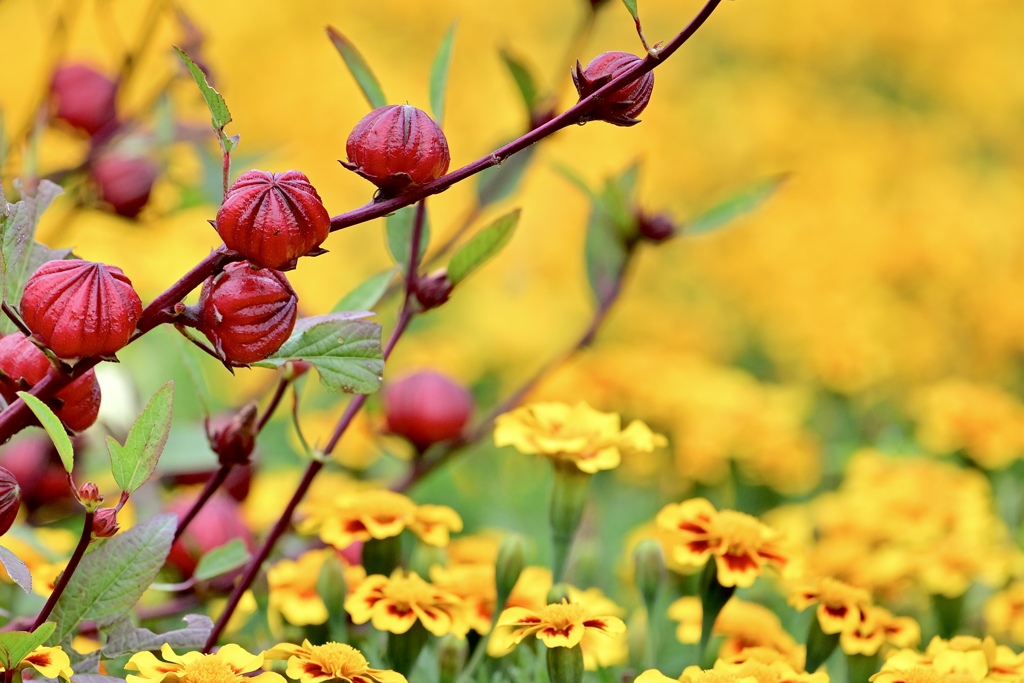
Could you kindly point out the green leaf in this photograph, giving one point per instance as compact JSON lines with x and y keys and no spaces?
{"x":125,"y":638}
{"x":16,"y":645}
{"x":54,"y":428}
{"x":16,"y":569}
{"x":133,"y":463}
{"x":439,"y":75}
{"x":399,"y":227}
{"x":110,"y":579}
{"x":631,"y":6}
{"x":604,"y":252}
{"x":575,"y":179}
{"x":497,"y":182}
{"x":524,"y":80}
{"x":359,"y":69}
{"x":331,"y":587}
{"x":484,"y":246}
{"x":218,"y":107}
{"x":738,"y":205}
{"x":368,"y":294}
{"x":221,"y":560}
{"x":347,"y":353}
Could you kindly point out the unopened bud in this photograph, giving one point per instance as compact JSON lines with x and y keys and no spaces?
{"x":565,"y":664}
{"x":434,"y":289}
{"x":451,"y":657}
{"x":89,"y":495}
{"x":233,"y":439}
{"x":655,"y":228}
{"x":509,"y":565}
{"x":649,"y":567}
{"x":295,"y":369}
{"x":10,"y":500}
{"x":104,"y":524}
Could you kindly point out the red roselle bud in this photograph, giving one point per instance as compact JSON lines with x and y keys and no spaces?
{"x":247,"y":313}
{"x":625,"y":104}
{"x":397,"y":147}
{"x":84,"y":98}
{"x":295,"y":369}
{"x":655,"y":227}
{"x":34,"y":462}
{"x":104,"y":523}
{"x":89,"y":494}
{"x":217,"y":522}
{"x":10,"y":500}
{"x":81,"y":308}
{"x":433,"y":290}
{"x":23,"y":365}
{"x":124,"y":182}
{"x":233,"y":437}
{"x":426,"y":407}
{"x":272,"y":218}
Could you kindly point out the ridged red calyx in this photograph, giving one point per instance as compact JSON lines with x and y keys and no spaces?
{"x":247,"y":313}
{"x":233,"y":437}
{"x":23,"y":365}
{"x":81,"y":308}
{"x":397,"y":147}
{"x":84,"y":98}
{"x":105,"y":524}
{"x":622,"y":106}
{"x":10,"y":500}
{"x":273,"y":218}
{"x":426,"y":408}
{"x":124,"y":182}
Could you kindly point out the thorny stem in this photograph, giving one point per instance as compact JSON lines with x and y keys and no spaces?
{"x":570,"y":116}
{"x":69,"y":570}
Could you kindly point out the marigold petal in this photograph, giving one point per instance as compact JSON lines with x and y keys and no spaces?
{"x":552,"y":636}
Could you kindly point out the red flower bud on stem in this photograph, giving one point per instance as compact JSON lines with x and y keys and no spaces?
{"x":10,"y":500}
{"x":625,"y":104}
{"x":426,"y":407}
{"x":233,"y":437}
{"x":124,"y":182}
{"x":84,"y":98}
{"x":397,"y":147}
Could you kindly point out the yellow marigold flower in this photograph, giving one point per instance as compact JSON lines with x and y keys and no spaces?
{"x":394,"y":604}
{"x":51,"y":662}
{"x":693,"y":531}
{"x":557,"y":625}
{"x":745,"y":625}
{"x":293,"y":590}
{"x":750,"y":670}
{"x":329,"y":662}
{"x":1004,"y":613}
{"x":840,"y":605}
{"x":229,"y":664}
{"x":879,"y":626}
{"x":962,"y":659}
{"x":474,"y":584}
{"x":587,"y":438}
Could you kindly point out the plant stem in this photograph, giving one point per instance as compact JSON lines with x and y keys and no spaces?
{"x":69,"y":570}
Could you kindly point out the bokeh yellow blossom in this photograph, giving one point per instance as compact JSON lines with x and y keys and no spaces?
{"x":742,"y":624}
{"x":229,"y":664}
{"x":395,"y":603}
{"x":557,"y":625}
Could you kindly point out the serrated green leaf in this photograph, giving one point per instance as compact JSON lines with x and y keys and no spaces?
{"x":484,"y":246}
{"x":16,"y":569}
{"x":133,"y":463}
{"x":346,"y":353}
{"x":16,"y":645}
{"x":524,"y":80}
{"x":111,"y":578}
{"x":221,"y":560}
{"x":359,"y":69}
{"x":54,"y":428}
{"x":631,"y":6}
{"x":367,"y":294}
{"x":497,"y":182}
{"x":125,"y":638}
{"x":439,"y":75}
{"x":737,"y":205}
{"x":399,"y":227}
{"x":221,"y":117}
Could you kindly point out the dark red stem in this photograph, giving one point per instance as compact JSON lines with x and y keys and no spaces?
{"x":212,"y":484}
{"x":65,"y":577}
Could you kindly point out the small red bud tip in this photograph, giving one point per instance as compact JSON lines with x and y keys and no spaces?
{"x":81,"y":308}
{"x":272,"y":218}
{"x":124,"y":183}
{"x":10,"y":500}
{"x":433,"y":290}
{"x":247,"y":313}
{"x":84,"y":98}
{"x":23,"y":365}
{"x":397,"y":147}
{"x":104,"y":523}
{"x":622,"y":106}
{"x":89,"y":493}
{"x":426,"y":408}
{"x":655,"y":227}
{"x":232,"y":437}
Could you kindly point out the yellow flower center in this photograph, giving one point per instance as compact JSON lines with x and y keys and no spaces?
{"x":406,"y":590}
{"x":208,"y":669}
{"x":739,"y":530}
{"x":562,"y":616}
{"x":339,"y":659}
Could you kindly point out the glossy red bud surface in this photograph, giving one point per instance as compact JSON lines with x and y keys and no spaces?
{"x":427,"y":407}
{"x":622,"y":106}
{"x":397,"y":147}
{"x":10,"y":500}
{"x":124,"y":183}
{"x":84,"y":98}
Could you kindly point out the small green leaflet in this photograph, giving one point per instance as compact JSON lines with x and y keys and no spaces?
{"x":367,"y":294}
{"x":399,"y":227}
{"x":346,"y":352}
{"x":221,"y":560}
{"x":218,"y":107}
{"x":54,"y":428}
{"x":359,"y":69}
{"x":16,"y":569}
{"x":16,"y":645}
{"x":484,"y":245}
{"x":737,"y":205}
{"x":631,"y":6}
{"x":524,"y":80}
{"x":439,"y":75}
{"x":133,"y":463}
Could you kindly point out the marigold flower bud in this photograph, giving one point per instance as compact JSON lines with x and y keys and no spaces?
{"x":10,"y":500}
{"x":247,"y":313}
{"x":272,"y":218}
{"x":451,"y":657}
{"x":565,"y":664}
{"x":124,"y":182}
{"x":625,"y":104}
{"x":397,"y":147}
{"x":509,"y":565}
{"x":80,"y":308}
{"x":104,"y":523}
{"x":233,"y":437}
{"x":426,"y":407}
{"x":84,"y":98}
{"x":649,"y":567}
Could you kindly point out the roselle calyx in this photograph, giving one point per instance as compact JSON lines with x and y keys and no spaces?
{"x":84,"y":98}
{"x":622,"y":106}
{"x":247,"y":313}
{"x":105,"y":524}
{"x":124,"y":183}
{"x":272,"y":218}
{"x":10,"y":500}
{"x":80,"y":308}
{"x":426,"y":408}
{"x":233,"y":437}
{"x":397,"y":147}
